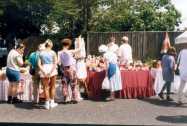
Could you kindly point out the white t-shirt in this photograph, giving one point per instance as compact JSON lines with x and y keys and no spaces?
{"x":183,"y":64}
{"x":13,"y":59}
{"x":125,"y":54}
{"x":113,"y":47}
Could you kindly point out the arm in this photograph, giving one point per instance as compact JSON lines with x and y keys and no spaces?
{"x":55,"y":61}
{"x":19,"y":61}
{"x":58,"y":58}
{"x":172,"y":64}
{"x":40,"y":66}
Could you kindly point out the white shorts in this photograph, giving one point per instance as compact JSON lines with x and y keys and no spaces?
{"x":47,"y":68}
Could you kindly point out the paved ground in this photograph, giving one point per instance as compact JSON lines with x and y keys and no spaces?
{"x":150,"y":111}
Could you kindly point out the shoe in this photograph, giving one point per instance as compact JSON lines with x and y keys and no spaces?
{"x":35,"y":104}
{"x":74,"y":102}
{"x":47,"y":105}
{"x":53,"y":104}
{"x":9,"y":100}
{"x":179,"y":103}
{"x":15,"y":100}
{"x":169,"y":99}
{"x":109,"y":99}
{"x":161,"y":95}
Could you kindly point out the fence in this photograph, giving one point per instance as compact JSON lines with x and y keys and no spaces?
{"x":144,"y":44}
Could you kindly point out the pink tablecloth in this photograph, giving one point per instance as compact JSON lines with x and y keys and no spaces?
{"x":136,"y":84}
{"x":25,"y":86}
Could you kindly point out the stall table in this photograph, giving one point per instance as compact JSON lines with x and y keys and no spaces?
{"x":135,"y":84}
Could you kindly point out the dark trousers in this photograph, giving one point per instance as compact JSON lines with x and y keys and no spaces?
{"x":166,"y":86}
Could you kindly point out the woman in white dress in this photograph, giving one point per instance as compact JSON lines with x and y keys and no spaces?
{"x":112,"y":70}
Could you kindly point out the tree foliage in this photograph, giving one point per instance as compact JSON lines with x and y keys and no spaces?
{"x":23,"y":18}
{"x":136,"y":15}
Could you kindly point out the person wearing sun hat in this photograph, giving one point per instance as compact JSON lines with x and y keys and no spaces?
{"x":112,"y":71}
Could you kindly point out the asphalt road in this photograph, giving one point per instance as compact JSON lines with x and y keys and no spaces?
{"x":150,"y":111}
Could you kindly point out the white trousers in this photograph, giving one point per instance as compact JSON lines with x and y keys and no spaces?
{"x":180,"y":91}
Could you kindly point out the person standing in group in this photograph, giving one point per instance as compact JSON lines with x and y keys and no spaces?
{"x":47,"y":64}
{"x":34,"y":71}
{"x":182,"y":62}
{"x":112,"y":46}
{"x":14,"y":62}
{"x":69,"y":79}
{"x":112,"y":71}
{"x":81,"y":69}
{"x":125,"y":52}
{"x":168,"y":69}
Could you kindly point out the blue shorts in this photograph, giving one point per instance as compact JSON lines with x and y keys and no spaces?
{"x":13,"y":75}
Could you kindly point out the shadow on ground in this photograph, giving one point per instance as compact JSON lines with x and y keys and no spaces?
{"x":173,"y":119}
{"x":28,"y":106}
{"x":163,"y":103}
{"x":48,"y":124}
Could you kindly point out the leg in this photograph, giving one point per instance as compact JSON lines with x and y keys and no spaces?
{"x":161,"y":92}
{"x":36,"y":93}
{"x":180,"y":91}
{"x":45,"y":83}
{"x":64,"y":89}
{"x":52,"y":89}
{"x":36,"y":83}
{"x":168,"y":91}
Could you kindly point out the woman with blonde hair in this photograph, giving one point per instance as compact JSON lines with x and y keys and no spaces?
{"x":47,"y":64}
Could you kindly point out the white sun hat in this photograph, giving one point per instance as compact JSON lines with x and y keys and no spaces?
{"x":103,"y":48}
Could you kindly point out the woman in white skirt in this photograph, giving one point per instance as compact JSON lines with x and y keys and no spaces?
{"x":112,"y":71}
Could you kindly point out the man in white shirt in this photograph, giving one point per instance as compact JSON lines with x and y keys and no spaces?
{"x":112,"y":46}
{"x":182,"y":61}
{"x":125,"y":52}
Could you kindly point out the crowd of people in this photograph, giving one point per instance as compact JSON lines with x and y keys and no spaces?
{"x":44,"y":64}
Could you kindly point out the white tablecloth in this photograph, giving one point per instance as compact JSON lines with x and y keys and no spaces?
{"x":159,"y":82}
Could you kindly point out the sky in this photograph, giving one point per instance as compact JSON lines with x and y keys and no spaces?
{"x":181,"y":6}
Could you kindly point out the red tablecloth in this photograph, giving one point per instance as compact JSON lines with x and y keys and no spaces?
{"x":135,"y":84}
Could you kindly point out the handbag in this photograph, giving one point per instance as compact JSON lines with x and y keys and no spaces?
{"x":106,"y":83}
{"x":177,"y":72}
{"x":32,"y":71}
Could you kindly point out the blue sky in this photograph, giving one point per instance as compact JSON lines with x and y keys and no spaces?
{"x":181,"y":6}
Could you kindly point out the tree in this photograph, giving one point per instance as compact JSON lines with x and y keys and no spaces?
{"x":135,"y":15}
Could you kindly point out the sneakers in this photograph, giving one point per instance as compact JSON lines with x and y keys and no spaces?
{"x":47,"y":105}
{"x":53,"y":104}
{"x":50,"y":104}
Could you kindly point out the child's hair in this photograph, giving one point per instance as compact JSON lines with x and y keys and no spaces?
{"x":154,"y":64}
{"x":66,"y":42}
